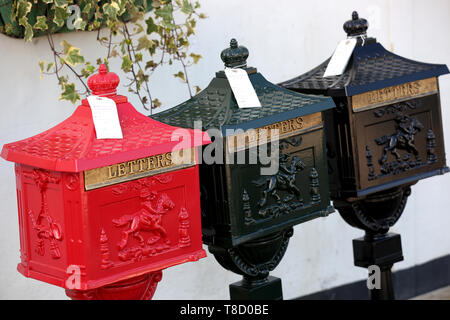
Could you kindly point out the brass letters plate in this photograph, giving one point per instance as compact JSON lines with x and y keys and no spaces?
{"x":389,"y":95}
{"x":286,"y":128}
{"x":135,"y":169}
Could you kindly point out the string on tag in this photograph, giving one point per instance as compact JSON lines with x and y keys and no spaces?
{"x":239,"y":66}
{"x":362,"y":36}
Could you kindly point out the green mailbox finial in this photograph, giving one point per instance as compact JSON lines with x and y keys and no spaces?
{"x":235,"y":55}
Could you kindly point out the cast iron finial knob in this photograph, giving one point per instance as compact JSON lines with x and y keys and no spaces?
{"x":103,"y":83}
{"x":357,"y":26}
{"x":235,"y":55}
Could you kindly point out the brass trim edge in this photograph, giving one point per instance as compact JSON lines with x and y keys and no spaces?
{"x":394,"y":94}
{"x":136,"y":169}
{"x":289,"y":127}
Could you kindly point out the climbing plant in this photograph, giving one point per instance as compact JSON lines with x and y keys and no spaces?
{"x":143,"y":34}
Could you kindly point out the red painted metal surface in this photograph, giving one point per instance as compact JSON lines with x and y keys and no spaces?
{"x":111,"y":242}
{"x":137,"y":288}
{"x":71,"y":146}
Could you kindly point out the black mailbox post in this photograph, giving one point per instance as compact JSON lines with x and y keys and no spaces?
{"x":247,"y":216}
{"x":384,"y":135}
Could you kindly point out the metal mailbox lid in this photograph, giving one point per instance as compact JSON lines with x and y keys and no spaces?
{"x":216,"y":106}
{"x":371,"y":67}
{"x":71,"y":146}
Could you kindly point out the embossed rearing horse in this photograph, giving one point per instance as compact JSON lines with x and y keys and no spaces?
{"x":146,"y":219}
{"x":402,"y":139}
{"x":283,"y":180}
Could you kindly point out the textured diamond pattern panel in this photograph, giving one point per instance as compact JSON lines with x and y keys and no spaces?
{"x":215,"y":106}
{"x":73,"y":140}
{"x":369,"y":64}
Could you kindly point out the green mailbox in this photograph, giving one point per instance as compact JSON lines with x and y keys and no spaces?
{"x":265,"y":171}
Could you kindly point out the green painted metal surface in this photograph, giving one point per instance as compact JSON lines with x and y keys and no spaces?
{"x":239,"y":204}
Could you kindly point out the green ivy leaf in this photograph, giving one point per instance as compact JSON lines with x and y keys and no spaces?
{"x":8,"y":29}
{"x":195,"y":57}
{"x":28,"y":29}
{"x":122,"y":6}
{"x":66,"y":46}
{"x":74,"y":57}
{"x":166,"y":13}
{"x":79,"y":24}
{"x":111,"y":9}
{"x":144,"y":43}
{"x":87,"y":70}
{"x":156,"y":103}
{"x":61,"y":16}
{"x":23,"y":8}
{"x":61,"y":3}
{"x":126,"y":63}
{"x":41,"y":23}
{"x":150,"y":64}
{"x":138,"y":57}
{"x":69,"y":93}
{"x":41,"y":65}
{"x":49,"y":66}
{"x":180,"y":75}
{"x":63,"y":80}
{"x":87,"y":9}
{"x":156,"y":4}
{"x":151,"y":26}
{"x":187,"y":7}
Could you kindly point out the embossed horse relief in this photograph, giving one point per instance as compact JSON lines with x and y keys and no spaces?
{"x":148,"y":219}
{"x":283,"y":180}
{"x":403,"y":138}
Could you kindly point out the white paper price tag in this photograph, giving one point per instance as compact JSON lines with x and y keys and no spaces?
{"x":242,"y":88}
{"x":106,"y":119}
{"x":340,"y":57}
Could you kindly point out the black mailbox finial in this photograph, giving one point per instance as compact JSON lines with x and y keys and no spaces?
{"x":357,"y":26}
{"x":235,"y":55}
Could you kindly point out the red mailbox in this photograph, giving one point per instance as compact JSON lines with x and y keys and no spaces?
{"x":102,"y":217}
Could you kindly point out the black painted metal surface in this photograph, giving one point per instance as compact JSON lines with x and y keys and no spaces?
{"x":384,"y":135}
{"x":391,"y":143}
{"x":371,"y":67}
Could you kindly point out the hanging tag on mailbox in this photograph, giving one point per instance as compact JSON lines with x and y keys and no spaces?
{"x":242,"y":88}
{"x":340,"y":57}
{"x":105,"y":117}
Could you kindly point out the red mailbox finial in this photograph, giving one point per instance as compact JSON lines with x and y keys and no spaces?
{"x":104,"y":83}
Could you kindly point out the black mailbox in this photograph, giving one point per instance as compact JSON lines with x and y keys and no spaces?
{"x":384,"y":135}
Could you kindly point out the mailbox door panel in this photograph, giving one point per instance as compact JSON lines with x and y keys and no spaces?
{"x":144,"y":225}
{"x":296,"y":192}
{"x":44,"y":254}
{"x":399,"y":141}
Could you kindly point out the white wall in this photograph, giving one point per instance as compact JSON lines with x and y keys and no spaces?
{"x":285,"y":39}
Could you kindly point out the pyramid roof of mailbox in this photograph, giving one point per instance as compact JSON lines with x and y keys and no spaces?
{"x":72,"y":146}
{"x":370,"y":67}
{"x":216,"y":106}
